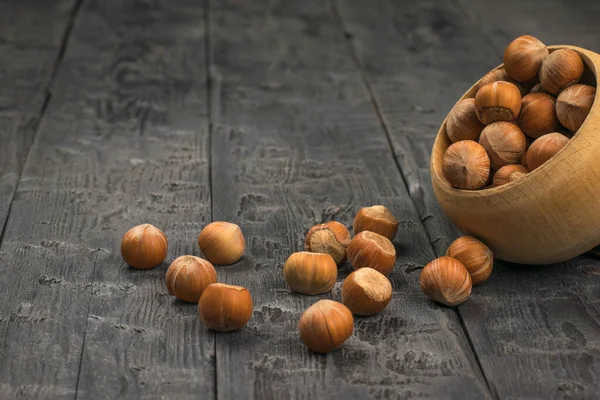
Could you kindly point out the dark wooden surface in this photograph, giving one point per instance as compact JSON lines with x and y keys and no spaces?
{"x":275,"y":115}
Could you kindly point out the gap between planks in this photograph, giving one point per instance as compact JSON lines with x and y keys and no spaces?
{"x":47,"y":97}
{"x":384,"y":125}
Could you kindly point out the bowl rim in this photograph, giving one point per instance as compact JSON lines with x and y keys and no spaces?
{"x":435,"y":168}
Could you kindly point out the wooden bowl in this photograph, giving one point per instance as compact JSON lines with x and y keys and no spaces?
{"x":550,"y":215}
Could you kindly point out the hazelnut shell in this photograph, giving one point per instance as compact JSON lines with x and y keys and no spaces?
{"x":477,"y":258}
{"x":446,"y":280}
{"x":224,"y":307}
{"x":325,"y":326}
{"x":376,"y":219}
{"x":222,"y":243}
{"x":371,"y":250}
{"x":144,"y":246}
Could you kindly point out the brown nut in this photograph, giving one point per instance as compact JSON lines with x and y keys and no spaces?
{"x":222,"y":243}
{"x":225,"y":308}
{"x":509,"y":173}
{"x":475,"y":256}
{"x":500,"y":74}
{"x":498,"y":101}
{"x":523,"y":58}
{"x":466,"y":165}
{"x":371,"y":250}
{"x":144,"y":246}
{"x":325,"y":326}
{"x":574,"y":104}
{"x":376,"y":219}
{"x":188,"y":277}
{"x":366,"y":291}
{"x":446,"y":280}
{"x":504,"y":143}
{"x":310,"y":273}
{"x":545,"y":148}
{"x":330,"y":238}
{"x":538,"y":115}
{"x":462,"y":122}
{"x":562,"y":68}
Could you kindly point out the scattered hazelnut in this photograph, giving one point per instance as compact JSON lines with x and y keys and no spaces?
{"x":325,"y":326}
{"x":310,"y":273}
{"x":371,"y":250}
{"x":523,"y":57}
{"x":222,"y":243}
{"x":562,"y":68}
{"x":538,"y":115}
{"x":538,"y":88}
{"x":500,"y":74}
{"x":446,"y":280}
{"x":509,"y":173}
{"x":144,"y":246}
{"x":366,"y":291}
{"x":330,"y":238}
{"x":462,"y":122}
{"x":189,"y":276}
{"x":376,"y":219}
{"x":476,"y":257}
{"x":498,"y":101}
{"x":225,"y":308}
{"x":544,"y":148}
{"x":504,"y":143}
{"x":466,"y":165}
{"x":574,"y":104}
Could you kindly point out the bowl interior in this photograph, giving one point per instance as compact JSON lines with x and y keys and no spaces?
{"x":442,"y":141}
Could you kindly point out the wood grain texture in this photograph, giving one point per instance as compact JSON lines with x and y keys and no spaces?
{"x":29,"y":59}
{"x":535,"y":329}
{"x":296,"y":142}
{"x":123,"y":142}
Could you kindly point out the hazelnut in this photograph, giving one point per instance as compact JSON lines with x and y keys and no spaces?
{"x":366,"y":291}
{"x":509,"y":173}
{"x":446,"y":280}
{"x":330,"y":238}
{"x":500,"y":74}
{"x":562,"y":68}
{"x":225,"y":308}
{"x":466,"y":165}
{"x":222,"y":243}
{"x":376,"y":219}
{"x":144,"y":246}
{"x":310,"y":273}
{"x":504,"y":143}
{"x":538,"y":88}
{"x":476,"y":257}
{"x":544,"y":148}
{"x":189,"y":276}
{"x":538,"y":115}
{"x":498,"y":101}
{"x":523,"y":58}
{"x":325,"y":326}
{"x":574,"y":104}
{"x":462,"y":122}
{"x":371,"y":250}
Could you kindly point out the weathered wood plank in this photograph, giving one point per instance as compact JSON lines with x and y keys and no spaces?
{"x":536,"y":330}
{"x":295,"y":142}
{"x":123,"y":142}
{"x":31,"y":37}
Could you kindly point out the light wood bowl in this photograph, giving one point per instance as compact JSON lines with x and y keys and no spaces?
{"x":550,"y":215}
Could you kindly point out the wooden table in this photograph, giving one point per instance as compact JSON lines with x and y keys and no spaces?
{"x":275,"y":115}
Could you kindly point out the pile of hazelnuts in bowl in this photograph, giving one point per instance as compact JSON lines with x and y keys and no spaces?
{"x":520,"y":116}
